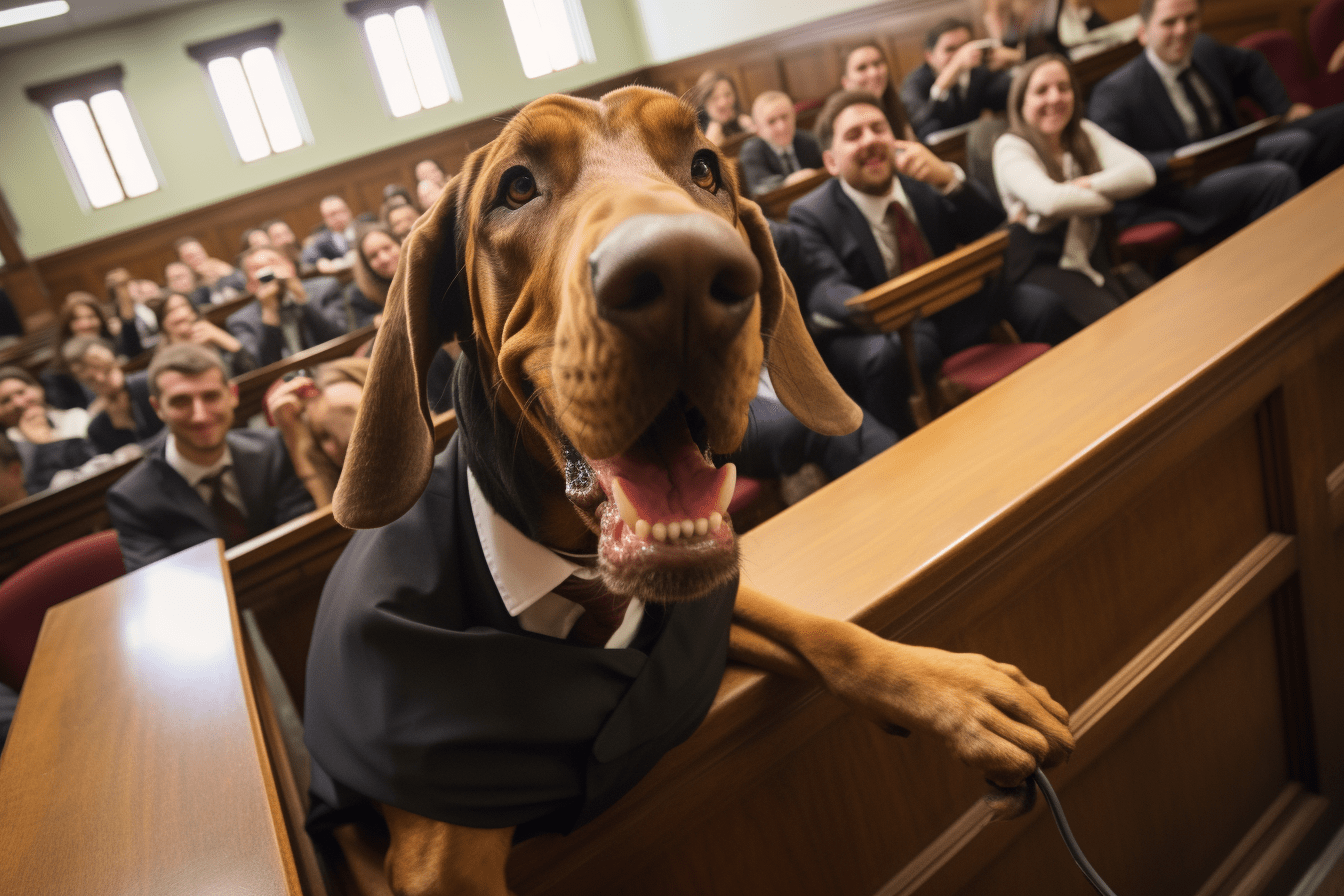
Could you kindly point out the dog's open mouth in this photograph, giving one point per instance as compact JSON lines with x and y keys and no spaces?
{"x":664,"y":523}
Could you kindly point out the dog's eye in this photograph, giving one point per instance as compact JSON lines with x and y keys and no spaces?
{"x":705,"y":172}
{"x":519,"y":187}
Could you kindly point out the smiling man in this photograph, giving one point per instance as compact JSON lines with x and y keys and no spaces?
{"x":1185,"y":88}
{"x":892,"y":206}
{"x":201,"y":479}
{"x":779,"y":154}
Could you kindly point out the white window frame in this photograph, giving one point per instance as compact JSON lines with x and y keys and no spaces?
{"x":250,"y":127}
{"x":405,"y":85}
{"x":532,"y":20}
{"x":127,"y":162}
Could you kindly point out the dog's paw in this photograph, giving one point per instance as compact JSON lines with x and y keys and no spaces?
{"x":1008,"y":803}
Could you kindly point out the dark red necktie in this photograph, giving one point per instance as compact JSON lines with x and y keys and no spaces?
{"x":603,"y":610}
{"x":232,"y":524}
{"x":910,"y":245}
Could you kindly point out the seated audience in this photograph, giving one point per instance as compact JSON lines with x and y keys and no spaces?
{"x":1057,"y":176}
{"x":315,"y":417}
{"x":893,"y":206}
{"x":12,"y":489}
{"x":1040,"y":26}
{"x":126,"y":292}
{"x":396,"y":194}
{"x":181,"y":323}
{"x":83,"y":315}
{"x":180,"y":278}
{"x":1182,"y":89}
{"x":400,"y":219}
{"x":288,"y":314}
{"x":284,"y":241}
{"x":254,"y":237}
{"x":779,"y":154}
{"x":427,"y":193}
{"x":11,"y":328}
{"x":376,"y":257}
{"x":121,"y":413}
{"x":222,"y":279}
{"x":330,"y":251}
{"x":958,"y":81}
{"x":718,"y":109}
{"x":48,"y":439}
{"x":201,"y":479}
{"x":430,"y":170}
{"x":866,"y":69}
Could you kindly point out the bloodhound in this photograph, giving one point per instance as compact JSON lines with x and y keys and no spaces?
{"x":615,"y":298}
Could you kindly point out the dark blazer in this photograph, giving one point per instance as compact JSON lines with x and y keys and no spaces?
{"x":317,"y":324}
{"x":107,"y":438}
{"x":327,"y":244}
{"x":156,"y":513}
{"x":763,"y":171}
{"x":987,"y":90}
{"x":841,"y":255}
{"x":1132,"y":103}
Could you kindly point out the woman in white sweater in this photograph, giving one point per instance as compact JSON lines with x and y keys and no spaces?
{"x":1058,"y":175}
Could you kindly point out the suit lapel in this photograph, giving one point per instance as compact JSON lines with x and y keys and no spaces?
{"x":175,"y":491}
{"x":249,"y":470}
{"x":852,"y":221}
{"x":1215,"y":78}
{"x":1160,"y":102}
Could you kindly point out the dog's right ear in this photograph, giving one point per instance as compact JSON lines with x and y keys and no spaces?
{"x":391,"y":451}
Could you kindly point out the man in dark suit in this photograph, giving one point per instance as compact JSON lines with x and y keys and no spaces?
{"x":289,"y":314}
{"x":1184,"y":88}
{"x":201,"y":479}
{"x":122,"y":412}
{"x":779,"y":154}
{"x":958,"y":80}
{"x":332,"y":249}
{"x":892,"y":206}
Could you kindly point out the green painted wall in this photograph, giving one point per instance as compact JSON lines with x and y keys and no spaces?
{"x":336,"y":87}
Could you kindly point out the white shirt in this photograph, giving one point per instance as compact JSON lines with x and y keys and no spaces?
{"x":195,"y":474}
{"x":874,"y":210}
{"x":525,"y":572}
{"x":1169,"y":75}
{"x":72,"y":423}
{"x":1028,"y":191}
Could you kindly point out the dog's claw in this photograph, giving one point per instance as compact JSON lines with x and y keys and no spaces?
{"x":1008,"y":803}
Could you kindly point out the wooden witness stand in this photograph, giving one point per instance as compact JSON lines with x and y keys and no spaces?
{"x":1147,"y":520}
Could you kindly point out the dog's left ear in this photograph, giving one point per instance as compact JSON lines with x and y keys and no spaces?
{"x":800,"y":377}
{"x":391,"y":451}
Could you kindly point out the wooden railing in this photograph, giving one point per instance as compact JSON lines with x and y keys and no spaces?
{"x":252,"y":385}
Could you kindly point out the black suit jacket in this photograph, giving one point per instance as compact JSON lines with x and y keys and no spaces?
{"x":1133,"y":104}
{"x":327,"y":244}
{"x":987,"y":90}
{"x":317,"y":323}
{"x":840,"y":255}
{"x":107,"y":438}
{"x":763,"y":171}
{"x":156,"y":513}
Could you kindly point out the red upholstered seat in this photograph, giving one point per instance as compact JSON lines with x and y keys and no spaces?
{"x":1325,"y":30}
{"x":1285,"y":57}
{"x":66,"y":572}
{"x":981,"y":366}
{"x":1152,"y":234}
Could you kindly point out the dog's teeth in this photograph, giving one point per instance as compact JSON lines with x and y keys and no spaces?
{"x":726,"y":490}
{"x":642,"y":528}
{"x":659,"y":532}
{"x":701,"y":526}
{"x":623,"y":503}
{"x":673,"y":530}
{"x":687,"y":528}
{"x":715,"y":521}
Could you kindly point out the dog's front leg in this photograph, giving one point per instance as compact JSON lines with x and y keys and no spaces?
{"x":989,"y":714}
{"x":435,"y":858}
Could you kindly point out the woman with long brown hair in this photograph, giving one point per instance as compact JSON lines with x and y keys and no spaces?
{"x":315,"y":418}
{"x":719,"y":108}
{"x":1058,"y":176}
{"x":866,"y":68}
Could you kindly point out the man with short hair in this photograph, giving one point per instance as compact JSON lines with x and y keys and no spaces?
{"x":332,"y":249}
{"x":779,"y":154}
{"x":180,"y":278}
{"x":223,"y":280}
{"x":48,"y":439}
{"x":1184,"y":88}
{"x":893,"y":206}
{"x":958,"y":80}
{"x":201,"y":479}
{"x":121,"y":412}
{"x":289,"y":314}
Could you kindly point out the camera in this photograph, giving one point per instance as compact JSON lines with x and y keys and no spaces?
{"x":265,"y":275}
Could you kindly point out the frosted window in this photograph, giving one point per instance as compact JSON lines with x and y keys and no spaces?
{"x":550,"y":34}
{"x":410,"y":60}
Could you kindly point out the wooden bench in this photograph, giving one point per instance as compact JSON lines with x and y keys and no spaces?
{"x":776,"y":202}
{"x":1193,"y":163}
{"x":252,"y":385}
{"x":1091,"y":69}
{"x":217,"y":314}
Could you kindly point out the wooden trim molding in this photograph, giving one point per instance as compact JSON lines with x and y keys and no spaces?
{"x":234,"y":44}
{"x":76,"y":87}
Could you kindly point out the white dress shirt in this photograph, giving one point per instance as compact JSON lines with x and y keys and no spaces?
{"x":525,"y":572}
{"x":1169,"y":75}
{"x":874,"y":209}
{"x":195,"y":474}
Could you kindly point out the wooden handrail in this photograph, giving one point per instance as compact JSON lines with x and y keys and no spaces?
{"x":252,"y":385}
{"x":217,"y":314}
{"x":1091,"y":69}
{"x":776,"y":202}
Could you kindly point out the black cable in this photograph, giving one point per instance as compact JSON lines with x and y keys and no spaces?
{"x":1058,"y":811}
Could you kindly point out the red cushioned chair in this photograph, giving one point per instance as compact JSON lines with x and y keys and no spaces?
{"x":1325,"y":31}
{"x":1147,"y":244}
{"x":66,"y":572}
{"x":1285,"y":57}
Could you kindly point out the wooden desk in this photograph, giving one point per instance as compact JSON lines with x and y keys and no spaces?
{"x":1091,"y":69}
{"x":776,"y":203}
{"x":136,"y":764}
{"x":252,"y":385}
{"x":1231,"y":149}
{"x":1141,"y":520}
{"x":219,"y":313}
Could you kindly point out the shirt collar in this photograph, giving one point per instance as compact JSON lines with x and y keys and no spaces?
{"x":874,"y":208}
{"x":190,"y":470}
{"x":1166,"y":70}
{"x":524,"y":570}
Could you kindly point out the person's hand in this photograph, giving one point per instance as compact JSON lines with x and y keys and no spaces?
{"x":1336,"y":63}
{"x":294,"y":289}
{"x":1000,"y":57}
{"x":1297,"y":111}
{"x":286,"y":403}
{"x":118,"y":407}
{"x":800,"y":174}
{"x":205,"y":333}
{"x":1085,"y":182}
{"x":714,"y":132}
{"x":745,"y":123}
{"x":35,"y":426}
{"x":914,"y":159}
{"x":270,"y":295}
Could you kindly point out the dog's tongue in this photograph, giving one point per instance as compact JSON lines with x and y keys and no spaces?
{"x":664,"y":476}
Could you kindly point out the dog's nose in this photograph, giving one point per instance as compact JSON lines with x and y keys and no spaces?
{"x":652,"y":266}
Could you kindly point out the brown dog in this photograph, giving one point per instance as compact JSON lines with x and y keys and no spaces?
{"x":616,"y":298}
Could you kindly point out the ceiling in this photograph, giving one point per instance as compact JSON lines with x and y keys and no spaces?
{"x":84,"y":14}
